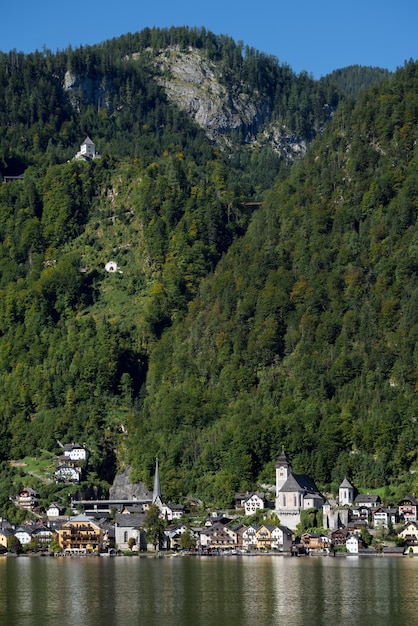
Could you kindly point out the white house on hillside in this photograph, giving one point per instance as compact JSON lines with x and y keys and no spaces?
{"x":76,"y":452}
{"x":253,"y":502}
{"x":87,"y":150}
{"x":68,"y":474}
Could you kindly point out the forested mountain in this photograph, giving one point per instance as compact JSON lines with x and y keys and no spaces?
{"x":353,"y":79}
{"x":230,"y":328}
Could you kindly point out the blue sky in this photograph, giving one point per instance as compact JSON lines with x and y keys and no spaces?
{"x":314,"y":36}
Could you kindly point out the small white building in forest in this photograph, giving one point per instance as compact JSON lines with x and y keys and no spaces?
{"x":87,"y":150}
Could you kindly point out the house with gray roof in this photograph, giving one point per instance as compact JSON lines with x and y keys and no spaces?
{"x":129,"y":526}
{"x":367,"y":499}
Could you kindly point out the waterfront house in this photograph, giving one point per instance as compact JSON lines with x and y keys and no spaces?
{"x":173,"y":534}
{"x":249,"y":538}
{"x":263,"y":536}
{"x":408,"y":509}
{"x":129,"y":527}
{"x":315,"y":542}
{"x":339,"y":537}
{"x":42,"y":534}
{"x":282,"y":538}
{"x":24,"y":534}
{"x":353,"y":544}
{"x":218,"y":536}
{"x":410,"y":535}
{"x":5,"y":533}
{"x":80,"y":535}
{"x":239,"y":530}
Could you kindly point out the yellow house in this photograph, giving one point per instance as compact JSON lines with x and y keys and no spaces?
{"x":263,"y":536}
{"x":80,"y":535}
{"x":4,"y":536}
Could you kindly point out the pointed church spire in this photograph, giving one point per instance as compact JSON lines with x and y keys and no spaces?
{"x":156,"y":494}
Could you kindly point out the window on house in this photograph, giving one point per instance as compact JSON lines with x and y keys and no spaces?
{"x":125,"y":536}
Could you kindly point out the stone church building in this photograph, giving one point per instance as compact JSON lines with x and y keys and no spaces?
{"x":294,"y":493}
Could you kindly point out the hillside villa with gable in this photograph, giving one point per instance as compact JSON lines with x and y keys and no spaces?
{"x":408,"y":509}
{"x":75,"y":452}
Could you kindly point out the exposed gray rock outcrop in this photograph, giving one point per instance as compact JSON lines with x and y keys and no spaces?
{"x":86,"y":89}
{"x":123,"y":489}
{"x":191,"y":81}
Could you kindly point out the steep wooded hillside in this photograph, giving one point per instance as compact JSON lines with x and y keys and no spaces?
{"x":227,"y":329}
{"x":305,"y":336}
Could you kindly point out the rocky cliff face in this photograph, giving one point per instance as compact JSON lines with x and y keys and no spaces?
{"x":123,"y":489}
{"x":190,"y":80}
{"x":196,"y":86}
{"x":86,"y":89}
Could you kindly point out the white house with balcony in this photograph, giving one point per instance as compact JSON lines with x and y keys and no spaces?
{"x":249,"y":538}
{"x":254,"y":502}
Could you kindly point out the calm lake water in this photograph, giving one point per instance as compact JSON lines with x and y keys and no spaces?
{"x":186,"y":591}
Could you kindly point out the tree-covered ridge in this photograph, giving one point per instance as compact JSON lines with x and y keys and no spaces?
{"x":227,"y":330}
{"x":110,"y":91}
{"x":306,"y":334}
{"x":353,"y":79}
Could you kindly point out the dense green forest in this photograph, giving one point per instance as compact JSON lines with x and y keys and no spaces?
{"x":354,"y":79}
{"x":230,"y":328}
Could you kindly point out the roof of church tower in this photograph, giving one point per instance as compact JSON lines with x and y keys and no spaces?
{"x":346,"y":484}
{"x":156,"y":493}
{"x":282,"y":460}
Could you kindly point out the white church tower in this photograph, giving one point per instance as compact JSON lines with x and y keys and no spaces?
{"x":283,"y":471}
{"x":345,"y":493}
